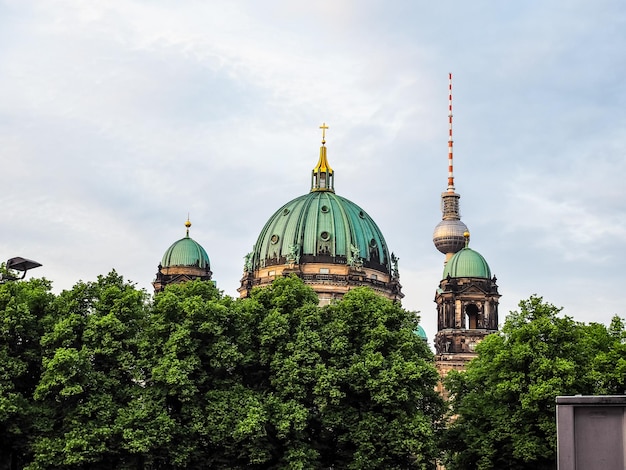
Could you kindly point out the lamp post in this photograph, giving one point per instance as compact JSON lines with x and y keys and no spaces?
{"x":18,"y":264}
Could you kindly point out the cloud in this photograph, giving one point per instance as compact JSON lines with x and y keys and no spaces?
{"x":117,"y":118}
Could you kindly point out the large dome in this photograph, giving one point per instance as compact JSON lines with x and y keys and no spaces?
{"x":467,"y":263}
{"x":328,"y":241}
{"x":321,"y":227}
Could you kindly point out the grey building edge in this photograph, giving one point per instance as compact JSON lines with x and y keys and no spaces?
{"x":591,"y":432}
{"x":592,"y":400}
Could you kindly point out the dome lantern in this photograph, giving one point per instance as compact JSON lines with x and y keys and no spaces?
{"x":322,"y":176}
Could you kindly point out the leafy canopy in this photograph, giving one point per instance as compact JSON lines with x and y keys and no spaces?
{"x":101,"y":376}
{"x":503,"y":405}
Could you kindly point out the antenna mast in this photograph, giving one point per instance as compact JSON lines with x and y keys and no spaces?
{"x":450,"y":163}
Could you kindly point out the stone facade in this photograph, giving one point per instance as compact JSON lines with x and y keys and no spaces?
{"x":178,"y":274}
{"x":467,"y":311}
{"x":330,"y":281}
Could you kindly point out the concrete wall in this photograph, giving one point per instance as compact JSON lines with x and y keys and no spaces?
{"x":591,"y":432}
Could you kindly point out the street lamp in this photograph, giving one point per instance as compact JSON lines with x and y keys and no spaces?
{"x":18,"y":264}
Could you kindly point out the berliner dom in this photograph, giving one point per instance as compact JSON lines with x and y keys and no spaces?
{"x":327,"y":240}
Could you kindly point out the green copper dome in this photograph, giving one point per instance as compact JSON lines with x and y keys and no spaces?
{"x":321,"y":227}
{"x":186,"y":252}
{"x":324,"y":239}
{"x":467,"y":263}
{"x":421,"y":333}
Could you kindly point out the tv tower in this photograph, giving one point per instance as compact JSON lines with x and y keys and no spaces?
{"x":448,"y":236}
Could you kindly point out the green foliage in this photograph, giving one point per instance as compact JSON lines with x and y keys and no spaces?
{"x":609,"y":364}
{"x":188,"y":351}
{"x":90,"y":373}
{"x":23,"y":314}
{"x":374,"y":386}
{"x":98,"y":377}
{"x":351,"y":385}
{"x":503,"y":405}
{"x":274,"y":381}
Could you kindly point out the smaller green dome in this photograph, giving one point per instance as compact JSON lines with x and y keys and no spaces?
{"x":186,"y":252}
{"x":421,"y":333}
{"x":467,"y":263}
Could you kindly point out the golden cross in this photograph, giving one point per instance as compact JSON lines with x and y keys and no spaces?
{"x":323,"y":127}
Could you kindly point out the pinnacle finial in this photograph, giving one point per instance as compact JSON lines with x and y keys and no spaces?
{"x":466,"y":235}
{"x":323,"y":127}
{"x":188,"y":224}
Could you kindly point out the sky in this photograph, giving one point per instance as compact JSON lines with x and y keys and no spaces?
{"x":119,"y":118}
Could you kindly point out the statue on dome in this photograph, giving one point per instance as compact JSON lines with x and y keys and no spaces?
{"x":293,"y":257}
{"x":394,"y":270}
{"x":355,"y":260}
{"x":247,"y":265}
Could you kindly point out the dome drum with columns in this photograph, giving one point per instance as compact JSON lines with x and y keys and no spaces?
{"x":466,"y":307}
{"x":326,"y":240}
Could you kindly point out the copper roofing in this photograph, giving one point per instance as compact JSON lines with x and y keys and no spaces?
{"x":467,"y":263}
{"x":186,"y":252}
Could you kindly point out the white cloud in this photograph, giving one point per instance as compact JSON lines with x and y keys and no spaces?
{"x":119,"y":117}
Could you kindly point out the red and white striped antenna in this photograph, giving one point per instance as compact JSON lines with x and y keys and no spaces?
{"x":450,"y":163}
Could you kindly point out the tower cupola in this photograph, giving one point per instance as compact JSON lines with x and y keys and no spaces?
{"x":467,"y":297}
{"x":467,"y":263}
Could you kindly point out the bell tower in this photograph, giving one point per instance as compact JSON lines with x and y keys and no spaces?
{"x":467,"y":309}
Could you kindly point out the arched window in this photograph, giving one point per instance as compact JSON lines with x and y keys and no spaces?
{"x":471,"y":310}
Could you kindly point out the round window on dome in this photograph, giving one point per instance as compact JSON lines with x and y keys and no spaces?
{"x":274,"y":239}
{"x":362,"y":214}
{"x":286,"y":211}
{"x":373,"y":243}
{"x":324,"y":209}
{"x":325,"y":236}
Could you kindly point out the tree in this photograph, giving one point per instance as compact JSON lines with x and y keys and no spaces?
{"x":609,"y":364}
{"x":375,"y":387}
{"x":274,"y":381}
{"x":348,"y":386}
{"x":99,"y":378}
{"x":89,"y":374}
{"x":23,"y":314}
{"x":503,"y":405}
{"x":191,"y":355}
